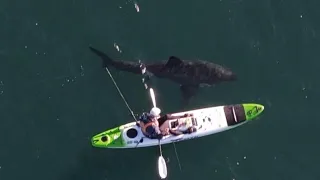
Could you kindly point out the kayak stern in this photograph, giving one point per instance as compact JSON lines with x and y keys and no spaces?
{"x":107,"y":139}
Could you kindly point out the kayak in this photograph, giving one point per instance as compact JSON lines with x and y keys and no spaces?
{"x":207,"y":121}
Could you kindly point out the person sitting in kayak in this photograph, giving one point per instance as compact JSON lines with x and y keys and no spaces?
{"x":150,"y":125}
{"x":179,"y":127}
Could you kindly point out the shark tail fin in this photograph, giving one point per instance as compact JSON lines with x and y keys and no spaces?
{"x":106,"y":60}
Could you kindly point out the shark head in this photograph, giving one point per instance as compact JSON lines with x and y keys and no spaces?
{"x":217,"y":73}
{"x":226,"y":74}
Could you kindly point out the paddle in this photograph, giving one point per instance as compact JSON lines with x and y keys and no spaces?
{"x":153,"y":98}
{"x":162,"y":166}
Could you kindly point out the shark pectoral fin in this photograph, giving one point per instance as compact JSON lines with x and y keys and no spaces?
{"x":188,"y":91}
{"x":173,"y":62}
{"x":106,"y":60}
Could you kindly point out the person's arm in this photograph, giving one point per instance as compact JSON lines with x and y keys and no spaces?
{"x":169,"y":116}
{"x":162,"y":119}
{"x":175,"y":132}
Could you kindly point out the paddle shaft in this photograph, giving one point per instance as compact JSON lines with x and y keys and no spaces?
{"x":160,"y":147}
{"x":153,"y":98}
{"x":143,"y":70}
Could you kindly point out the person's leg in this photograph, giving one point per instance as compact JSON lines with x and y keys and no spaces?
{"x":162,"y":119}
{"x":174,"y":132}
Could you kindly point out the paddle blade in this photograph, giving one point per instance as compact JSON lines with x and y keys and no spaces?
{"x":162,"y":167}
{"x":153,"y":97}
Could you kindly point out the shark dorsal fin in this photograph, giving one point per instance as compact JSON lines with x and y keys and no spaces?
{"x":173,"y":61}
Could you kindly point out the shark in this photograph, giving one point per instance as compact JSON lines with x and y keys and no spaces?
{"x":189,"y":74}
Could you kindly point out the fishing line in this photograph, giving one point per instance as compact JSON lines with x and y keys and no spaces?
{"x":175,"y":150}
{"x":121,"y":94}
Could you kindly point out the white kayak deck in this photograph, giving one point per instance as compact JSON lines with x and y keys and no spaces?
{"x":208,"y":121}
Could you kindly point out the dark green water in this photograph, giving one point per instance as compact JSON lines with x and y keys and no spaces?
{"x":54,"y":95}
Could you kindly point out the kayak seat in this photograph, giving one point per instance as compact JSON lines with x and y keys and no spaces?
{"x":235,"y":114}
{"x":174,"y":123}
{"x":132,"y":133}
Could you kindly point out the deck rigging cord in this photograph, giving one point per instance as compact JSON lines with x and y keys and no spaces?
{"x":175,"y":150}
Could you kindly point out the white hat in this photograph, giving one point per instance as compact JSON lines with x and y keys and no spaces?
{"x":155,"y":111}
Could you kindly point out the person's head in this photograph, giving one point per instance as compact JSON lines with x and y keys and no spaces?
{"x":155,"y":112}
{"x":144,"y":117}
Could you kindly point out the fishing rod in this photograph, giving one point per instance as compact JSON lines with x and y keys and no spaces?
{"x":115,"y":84}
{"x":146,"y":75}
{"x":144,"y":80}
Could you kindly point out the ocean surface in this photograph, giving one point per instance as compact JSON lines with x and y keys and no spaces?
{"x":55,"y":95}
